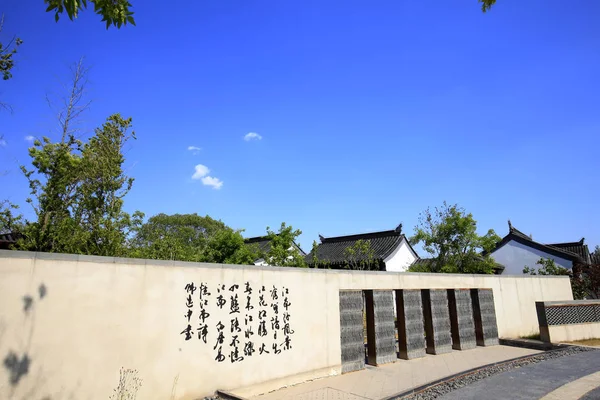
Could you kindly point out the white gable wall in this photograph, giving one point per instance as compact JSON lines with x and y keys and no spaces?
{"x":401,"y":258}
{"x":515,"y":256}
{"x":263,"y":263}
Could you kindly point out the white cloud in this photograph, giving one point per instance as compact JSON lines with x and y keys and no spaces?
{"x":252,"y":136}
{"x":194,"y":149}
{"x":201,"y":171}
{"x":2,"y":142}
{"x":30,"y":138}
{"x":216,"y":183}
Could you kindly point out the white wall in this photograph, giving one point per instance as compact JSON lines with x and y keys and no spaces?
{"x":98,"y":314}
{"x":263,"y":263}
{"x":515,"y":256}
{"x":400,"y":259}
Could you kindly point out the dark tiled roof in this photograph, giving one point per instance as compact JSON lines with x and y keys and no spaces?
{"x":595,"y":258}
{"x":578,"y":248}
{"x":8,"y":239}
{"x":333,"y":249}
{"x":264,"y":244}
{"x":574,"y":251}
{"x":423,"y":261}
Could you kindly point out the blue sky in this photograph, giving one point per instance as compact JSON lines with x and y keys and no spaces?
{"x":368,"y":112}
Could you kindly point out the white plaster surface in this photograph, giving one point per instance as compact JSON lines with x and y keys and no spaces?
{"x":100,"y":314}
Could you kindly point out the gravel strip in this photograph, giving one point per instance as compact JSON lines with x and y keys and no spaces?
{"x":442,"y":388}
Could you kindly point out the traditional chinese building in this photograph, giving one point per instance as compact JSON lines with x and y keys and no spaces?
{"x":386,"y":251}
{"x":517,"y":250}
{"x":263,"y":244}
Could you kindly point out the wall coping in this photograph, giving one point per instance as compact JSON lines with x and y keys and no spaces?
{"x":185,"y":264}
{"x":571,"y":303}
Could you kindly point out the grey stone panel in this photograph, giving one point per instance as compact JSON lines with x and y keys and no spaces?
{"x":411,"y":330}
{"x":461,"y":319}
{"x":385,"y":341}
{"x":484,"y":313}
{"x":351,"y":330}
{"x":437,"y":321}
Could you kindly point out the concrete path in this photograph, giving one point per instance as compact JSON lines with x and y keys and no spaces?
{"x":575,"y":389}
{"x":375,"y":383}
{"x":592,"y":395}
{"x":534,"y":381}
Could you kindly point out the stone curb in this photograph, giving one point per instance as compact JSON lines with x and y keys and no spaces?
{"x":431,"y":384}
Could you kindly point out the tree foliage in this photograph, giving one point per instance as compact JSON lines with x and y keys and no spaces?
{"x":113,"y":12}
{"x":227,"y":246}
{"x":585,"y":279}
{"x":360,"y":256}
{"x":10,"y":221}
{"x":7,"y":51}
{"x":283,"y":251}
{"x":190,"y":237}
{"x":450,"y":237}
{"x":486,"y":5}
{"x":314,"y":260}
{"x":547,"y":266}
{"x":77,"y":193}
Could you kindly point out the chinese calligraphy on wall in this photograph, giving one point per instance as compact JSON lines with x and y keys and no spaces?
{"x":233,"y":338}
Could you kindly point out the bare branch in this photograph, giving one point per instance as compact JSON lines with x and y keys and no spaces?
{"x":69,"y":107}
{"x":75,"y":105}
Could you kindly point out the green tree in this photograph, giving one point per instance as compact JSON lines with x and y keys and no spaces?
{"x":113,"y":12}
{"x":56,"y":173}
{"x":585,"y":279}
{"x":547,"y":266}
{"x":182,"y":237}
{"x":10,"y":221}
{"x":450,"y":237}
{"x":7,"y":62}
{"x":486,"y":4}
{"x":283,"y":251}
{"x":7,"y":51}
{"x":314,"y":260}
{"x":103,"y":185}
{"x":360,"y":256}
{"x":190,"y":237}
{"x":227,"y":247}
{"x":77,"y":193}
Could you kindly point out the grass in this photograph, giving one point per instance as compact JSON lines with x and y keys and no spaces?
{"x":587,"y":342}
{"x":533,"y":336}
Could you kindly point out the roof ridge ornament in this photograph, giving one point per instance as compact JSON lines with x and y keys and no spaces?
{"x":321,"y":238}
{"x":510,"y":227}
{"x":398,"y":228}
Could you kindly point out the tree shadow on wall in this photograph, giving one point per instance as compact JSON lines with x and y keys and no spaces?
{"x":18,"y":366}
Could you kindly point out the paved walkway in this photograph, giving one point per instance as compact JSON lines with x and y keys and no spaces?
{"x":375,"y":383}
{"x":535,"y":381}
{"x":575,"y":389}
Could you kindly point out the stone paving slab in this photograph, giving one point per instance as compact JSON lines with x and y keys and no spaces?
{"x":374,"y":383}
{"x":531,"y":382}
